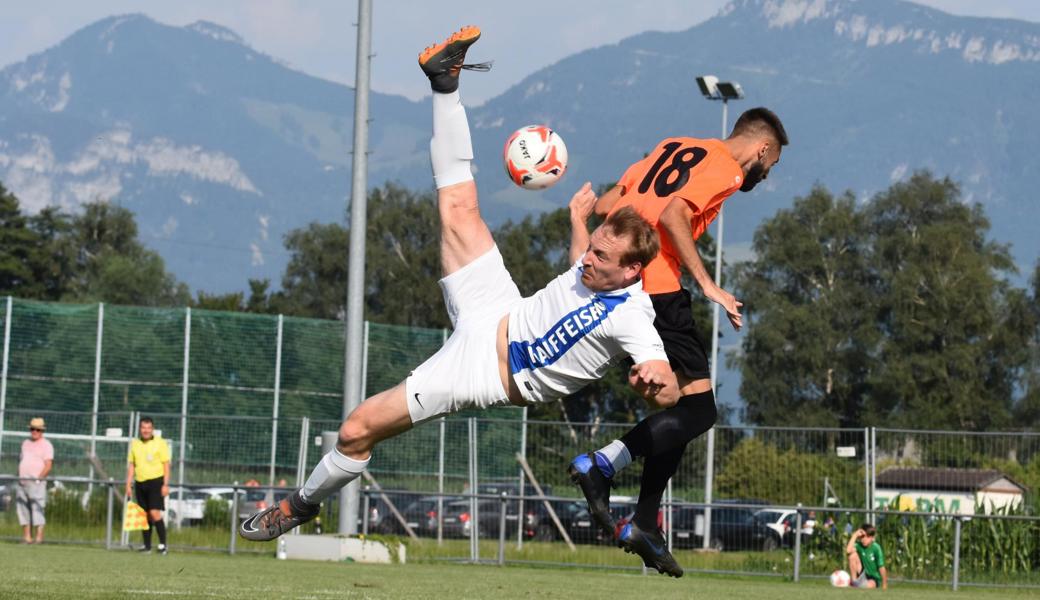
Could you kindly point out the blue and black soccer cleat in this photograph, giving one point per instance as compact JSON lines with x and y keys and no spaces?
{"x":587,"y":470}
{"x":443,"y":62}
{"x":651,"y":547}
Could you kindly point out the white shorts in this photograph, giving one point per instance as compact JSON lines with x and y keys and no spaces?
{"x":464,"y":372}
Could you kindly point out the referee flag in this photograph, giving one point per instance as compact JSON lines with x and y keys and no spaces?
{"x":134,"y":517}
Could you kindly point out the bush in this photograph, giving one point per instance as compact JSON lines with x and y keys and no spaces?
{"x":216,"y":514}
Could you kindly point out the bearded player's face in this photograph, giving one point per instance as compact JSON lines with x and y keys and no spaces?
{"x":759,"y":170}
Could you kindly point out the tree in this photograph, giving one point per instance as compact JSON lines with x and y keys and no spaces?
{"x":898,"y":313}
{"x":18,"y":248}
{"x":109,"y":263}
{"x":402,"y":264}
{"x":806,"y":356}
{"x":1027,"y":410}
{"x":947,"y":353}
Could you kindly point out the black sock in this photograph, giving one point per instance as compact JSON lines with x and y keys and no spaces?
{"x":673,"y":427}
{"x":657,"y":471}
{"x":160,"y":528}
{"x":147,"y":533}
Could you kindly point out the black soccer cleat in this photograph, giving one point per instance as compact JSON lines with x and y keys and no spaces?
{"x":272,"y":522}
{"x":651,"y":547}
{"x":596,"y":487}
{"x":443,"y":62}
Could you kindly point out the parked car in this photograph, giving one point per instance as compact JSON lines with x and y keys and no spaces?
{"x":6,"y":495}
{"x":420,"y":513}
{"x":185,"y":506}
{"x":537,"y":522}
{"x":250,"y":500}
{"x":783,"y":523}
{"x":737,"y":528}
{"x":732,"y":528}
{"x":458,"y":518}
{"x":583,"y":528}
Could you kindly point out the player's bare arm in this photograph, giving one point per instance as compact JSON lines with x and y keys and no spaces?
{"x":675,"y":220}
{"x":606,"y":202}
{"x":884,"y":577}
{"x":655,"y":382}
{"x":581,"y":206}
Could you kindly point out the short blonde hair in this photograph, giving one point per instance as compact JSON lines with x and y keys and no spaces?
{"x":643,"y":242}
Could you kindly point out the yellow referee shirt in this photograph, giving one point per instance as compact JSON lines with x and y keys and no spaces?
{"x":148,"y":457}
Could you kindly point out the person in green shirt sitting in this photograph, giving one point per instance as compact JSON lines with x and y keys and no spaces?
{"x":866,"y":560}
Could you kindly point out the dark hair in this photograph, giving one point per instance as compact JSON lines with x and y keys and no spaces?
{"x":643,"y":247}
{"x":868,"y":529}
{"x":146,"y":420}
{"x":760,"y":121}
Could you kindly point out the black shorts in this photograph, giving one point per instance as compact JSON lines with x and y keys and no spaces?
{"x":149,"y":494}
{"x":674,"y":323}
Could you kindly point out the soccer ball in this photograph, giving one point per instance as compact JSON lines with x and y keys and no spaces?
{"x":535,"y":157}
{"x":840,"y":578}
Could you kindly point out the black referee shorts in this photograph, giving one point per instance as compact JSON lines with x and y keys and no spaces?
{"x":149,"y":494}
{"x":674,"y":323}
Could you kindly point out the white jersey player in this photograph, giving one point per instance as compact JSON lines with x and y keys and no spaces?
{"x":504,"y":348}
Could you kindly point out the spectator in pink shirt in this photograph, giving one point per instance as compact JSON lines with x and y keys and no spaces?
{"x":33,"y":468}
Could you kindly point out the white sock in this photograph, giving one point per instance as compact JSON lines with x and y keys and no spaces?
{"x":617,"y":453}
{"x":334,"y":471}
{"x":450,"y":149}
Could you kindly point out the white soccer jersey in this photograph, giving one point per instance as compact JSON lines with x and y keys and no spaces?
{"x":566,"y":335}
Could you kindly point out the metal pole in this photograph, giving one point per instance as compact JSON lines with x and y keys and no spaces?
{"x":124,"y":535}
{"x":356,"y":269}
{"x":277,"y":394}
{"x":709,"y":469}
{"x":301,"y":463}
{"x":956,"y":552}
{"x":97,"y":392}
{"x":368,"y":508}
{"x":364,"y":363}
{"x":440,"y":486}
{"x":474,"y":549}
{"x":184,"y":409}
{"x":866,"y":468}
{"x":233,"y":519}
{"x":520,"y":490}
{"x":873,"y":473}
{"x":3,"y":373}
{"x":108,"y":514}
{"x":797,"y":542}
{"x":668,"y":513}
{"x":502,"y":531}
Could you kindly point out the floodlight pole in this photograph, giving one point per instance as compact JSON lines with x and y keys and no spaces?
{"x":353,"y":386}
{"x":709,"y":465}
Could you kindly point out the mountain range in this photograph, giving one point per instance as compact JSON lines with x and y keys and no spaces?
{"x":220,"y":149}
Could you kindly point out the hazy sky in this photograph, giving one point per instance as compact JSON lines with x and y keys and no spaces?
{"x":317,"y":36}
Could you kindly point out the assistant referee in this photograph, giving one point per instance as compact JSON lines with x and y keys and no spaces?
{"x":149,"y":469}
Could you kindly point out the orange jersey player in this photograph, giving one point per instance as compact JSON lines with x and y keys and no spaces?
{"x":679,"y":188}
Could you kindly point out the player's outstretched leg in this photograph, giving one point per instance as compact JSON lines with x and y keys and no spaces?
{"x":593,"y":472}
{"x":464,"y":234}
{"x":382,"y":416}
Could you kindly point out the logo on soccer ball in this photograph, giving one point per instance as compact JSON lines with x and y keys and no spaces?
{"x":535,"y":157}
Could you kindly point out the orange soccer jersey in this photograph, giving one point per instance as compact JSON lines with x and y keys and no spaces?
{"x":701,"y":172}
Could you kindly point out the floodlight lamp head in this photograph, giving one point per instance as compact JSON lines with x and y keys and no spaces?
{"x":709,"y":85}
{"x":731,"y":90}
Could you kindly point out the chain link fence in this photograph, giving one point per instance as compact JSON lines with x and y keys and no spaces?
{"x":244,"y":399}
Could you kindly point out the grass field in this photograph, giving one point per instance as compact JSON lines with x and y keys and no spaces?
{"x":53,"y":571}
